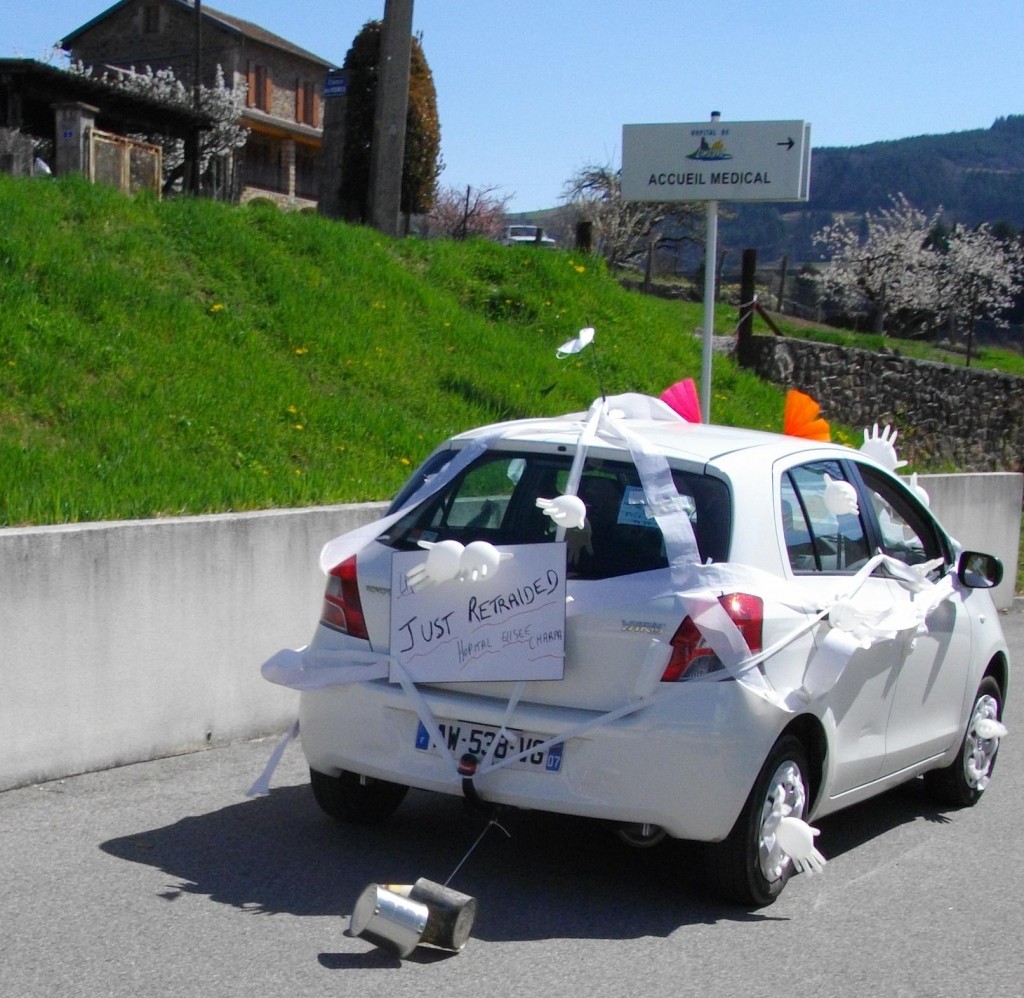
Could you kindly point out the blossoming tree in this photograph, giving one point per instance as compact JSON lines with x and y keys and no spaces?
{"x":477,"y":211}
{"x":905,"y":265}
{"x":889,"y":270}
{"x":223,"y":104}
{"x":979,"y":276}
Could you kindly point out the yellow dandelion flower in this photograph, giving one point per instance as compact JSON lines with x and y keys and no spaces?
{"x":301,"y":351}
{"x":404,"y":460}
{"x":293,"y":409}
{"x":299,"y":426}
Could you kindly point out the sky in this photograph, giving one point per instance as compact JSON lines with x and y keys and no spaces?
{"x":530,"y":92}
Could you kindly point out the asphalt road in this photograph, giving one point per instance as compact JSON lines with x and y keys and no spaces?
{"x":163,"y":878}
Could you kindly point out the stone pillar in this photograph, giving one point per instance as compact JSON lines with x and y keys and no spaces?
{"x":288,"y":154}
{"x":71,"y":136}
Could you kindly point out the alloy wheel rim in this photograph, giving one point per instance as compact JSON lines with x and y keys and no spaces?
{"x":980,"y":753}
{"x":786,"y":796}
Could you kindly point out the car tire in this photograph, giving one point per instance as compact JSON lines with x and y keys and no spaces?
{"x":748,"y":867}
{"x":355,"y":799}
{"x":962,"y":783}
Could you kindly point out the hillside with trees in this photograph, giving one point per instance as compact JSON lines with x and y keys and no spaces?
{"x":972,"y":177}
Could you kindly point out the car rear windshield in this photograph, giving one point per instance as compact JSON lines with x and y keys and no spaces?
{"x":495,"y":499}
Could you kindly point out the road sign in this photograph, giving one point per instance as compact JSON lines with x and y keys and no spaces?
{"x":717,"y":161}
{"x":336,"y":84}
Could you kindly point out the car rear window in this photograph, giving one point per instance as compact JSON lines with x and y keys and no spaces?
{"x":495,"y":499}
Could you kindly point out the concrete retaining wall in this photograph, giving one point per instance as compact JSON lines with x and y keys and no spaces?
{"x":983,"y":512}
{"x":122,"y":642}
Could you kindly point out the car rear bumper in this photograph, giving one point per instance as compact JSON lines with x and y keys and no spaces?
{"x":667,"y":764}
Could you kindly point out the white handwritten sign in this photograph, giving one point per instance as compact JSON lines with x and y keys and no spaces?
{"x":508,"y":627}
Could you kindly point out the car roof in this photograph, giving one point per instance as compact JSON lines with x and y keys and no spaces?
{"x":666,"y":433}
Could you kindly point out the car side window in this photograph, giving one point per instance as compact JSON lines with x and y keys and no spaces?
{"x":796,"y":532}
{"x":817,"y":539}
{"x":907,"y":531}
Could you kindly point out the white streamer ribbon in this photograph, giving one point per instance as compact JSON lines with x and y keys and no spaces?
{"x":262,"y":785}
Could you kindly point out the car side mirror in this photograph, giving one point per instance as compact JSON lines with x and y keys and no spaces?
{"x":979,"y":571}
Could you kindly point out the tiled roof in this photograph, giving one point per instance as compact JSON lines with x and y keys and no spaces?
{"x":258,"y":34}
{"x":234,"y":24}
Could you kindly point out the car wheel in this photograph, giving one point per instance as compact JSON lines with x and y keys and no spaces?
{"x":749,"y":867}
{"x":963,"y":781}
{"x":356,"y":799}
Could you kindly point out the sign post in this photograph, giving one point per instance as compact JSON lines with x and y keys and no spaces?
{"x":708,"y":326}
{"x":716,"y":161}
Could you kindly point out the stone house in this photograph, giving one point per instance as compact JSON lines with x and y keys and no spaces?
{"x":284,"y":100}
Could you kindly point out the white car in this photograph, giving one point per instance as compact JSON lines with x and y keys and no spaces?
{"x":526,"y":235}
{"x":689,"y":630}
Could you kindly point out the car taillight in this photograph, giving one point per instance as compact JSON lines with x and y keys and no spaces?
{"x":692,"y":657}
{"x":343,"y":610}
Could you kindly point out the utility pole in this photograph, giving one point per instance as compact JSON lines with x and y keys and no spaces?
{"x":197,"y":68}
{"x":388,"y":150}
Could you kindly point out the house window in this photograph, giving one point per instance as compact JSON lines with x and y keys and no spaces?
{"x":305,"y":103}
{"x":260,"y":85}
{"x":151,"y":19}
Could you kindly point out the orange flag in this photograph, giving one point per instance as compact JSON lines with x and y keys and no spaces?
{"x":802,"y":418}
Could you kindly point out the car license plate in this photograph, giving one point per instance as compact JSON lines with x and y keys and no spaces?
{"x":462,"y":737}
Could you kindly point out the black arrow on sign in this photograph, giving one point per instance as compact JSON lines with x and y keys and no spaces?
{"x":788,"y":144}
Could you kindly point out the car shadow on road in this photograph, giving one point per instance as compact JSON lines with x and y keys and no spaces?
{"x":535,"y":875}
{"x":857,"y":825}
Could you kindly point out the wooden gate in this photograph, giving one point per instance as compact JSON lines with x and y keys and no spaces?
{"x":127,"y":164}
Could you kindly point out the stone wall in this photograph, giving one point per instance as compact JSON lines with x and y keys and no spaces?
{"x":946,"y":415}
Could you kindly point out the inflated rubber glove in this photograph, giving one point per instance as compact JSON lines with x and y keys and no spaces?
{"x":989,"y":727}
{"x":919,"y":490}
{"x":480,"y":560}
{"x":442,"y":564}
{"x":579,"y":543}
{"x":881,"y":446}
{"x":566,"y":511}
{"x":840,"y":497}
{"x":796,"y":839}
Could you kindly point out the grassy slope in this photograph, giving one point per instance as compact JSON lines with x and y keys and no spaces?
{"x":190,"y":357}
